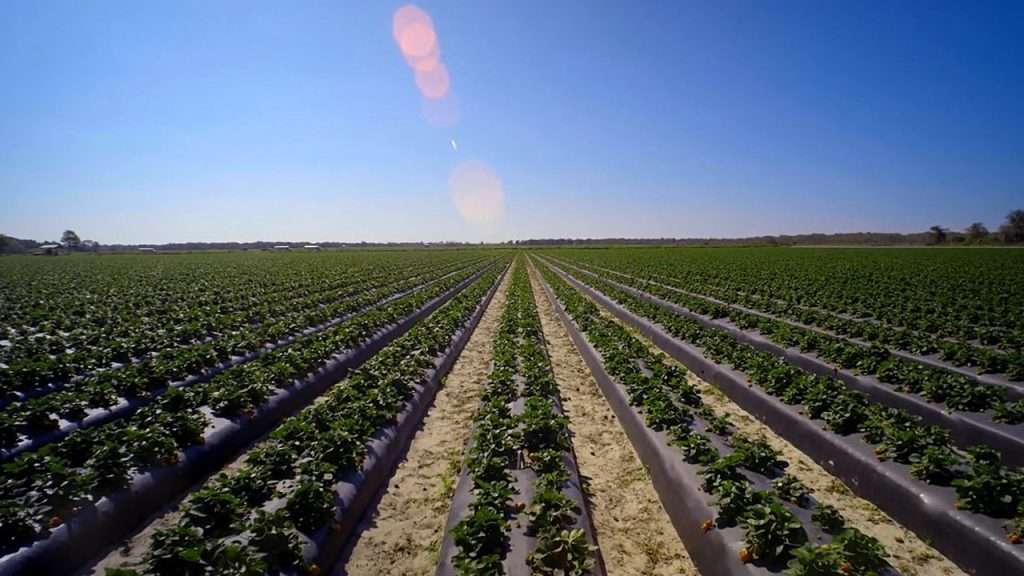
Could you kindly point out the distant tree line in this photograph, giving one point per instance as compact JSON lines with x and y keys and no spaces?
{"x":70,"y":242}
{"x":1010,"y":232}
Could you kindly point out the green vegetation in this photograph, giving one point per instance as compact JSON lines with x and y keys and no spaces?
{"x":304,"y":457}
{"x":772,"y":533}
{"x":538,"y":437}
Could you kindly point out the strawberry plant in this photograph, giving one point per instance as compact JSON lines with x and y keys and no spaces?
{"x":212,"y":511}
{"x":791,"y":489}
{"x":733,"y":499}
{"x":567,"y":554}
{"x":771,"y":531}
{"x":480,"y":538}
{"x":178,"y":550}
{"x":989,"y":487}
{"x":828,"y":517}
{"x":810,"y":560}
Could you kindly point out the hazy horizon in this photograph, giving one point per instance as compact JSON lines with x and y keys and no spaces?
{"x":242,"y":121}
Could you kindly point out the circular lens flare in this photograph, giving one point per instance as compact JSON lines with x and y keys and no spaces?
{"x":478,"y":193}
{"x":417,"y":40}
{"x":414,"y":33}
{"x":434,"y":82}
{"x":406,"y":17}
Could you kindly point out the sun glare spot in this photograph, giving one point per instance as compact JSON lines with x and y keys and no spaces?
{"x":478,"y":193}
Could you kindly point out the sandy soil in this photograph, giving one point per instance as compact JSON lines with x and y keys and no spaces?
{"x":634,"y":532}
{"x":404,"y":534}
{"x":910,"y":555}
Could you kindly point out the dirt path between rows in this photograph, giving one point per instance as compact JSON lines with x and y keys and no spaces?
{"x":910,"y":555}
{"x":404,"y":534}
{"x":634,"y":532}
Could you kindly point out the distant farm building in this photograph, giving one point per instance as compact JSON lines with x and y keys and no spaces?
{"x":49,"y":250}
{"x":147,"y":249}
{"x":312,"y":247}
{"x":282,"y":247}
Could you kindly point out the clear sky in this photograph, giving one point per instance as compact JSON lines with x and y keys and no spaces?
{"x":209,"y":120}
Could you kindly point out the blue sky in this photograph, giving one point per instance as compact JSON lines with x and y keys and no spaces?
{"x":174,"y":121}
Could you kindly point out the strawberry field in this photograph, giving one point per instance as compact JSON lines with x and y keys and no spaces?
{"x":456,"y":412}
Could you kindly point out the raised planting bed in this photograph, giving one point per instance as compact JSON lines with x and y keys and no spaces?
{"x":69,"y":319}
{"x":131,"y":492}
{"x":727,"y":495}
{"x":518,"y":507}
{"x":923,"y":349}
{"x":966,"y":428}
{"x":923,"y":297}
{"x":237,"y":330}
{"x":125,"y":406}
{"x":981,"y":542}
{"x":300,"y":494}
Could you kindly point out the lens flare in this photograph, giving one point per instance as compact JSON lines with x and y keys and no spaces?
{"x":406,"y":17}
{"x":478,"y":193}
{"x":414,"y":33}
{"x":417,"y":40}
{"x":433,"y":83}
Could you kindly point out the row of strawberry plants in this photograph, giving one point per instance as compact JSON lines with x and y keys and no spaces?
{"x":260,"y":517}
{"x":171,"y":318}
{"x":983,"y":484}
{"x":40,"y":490}
{"x":226,"y":330}
{"x":979,"y":359}
{"x":23,"y":424}
{"x":956,"y":392}
{"x":968,"y":295}
{"x":520,"y":437}
{"x":51,"y":349}
{"x":778,"y":518}
{"x":982,"y":356}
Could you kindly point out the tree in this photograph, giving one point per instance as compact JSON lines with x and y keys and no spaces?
{"x":70,"y":239}
{"x":976,"y":232}
{"x":1013,"y":229}
{"x":938,"y":234}
{"x":12,"y":245}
